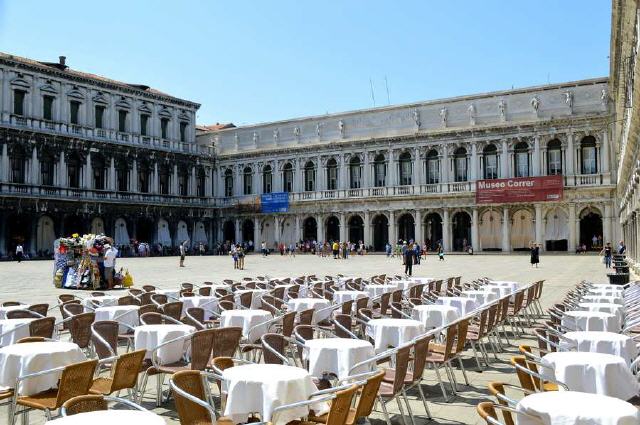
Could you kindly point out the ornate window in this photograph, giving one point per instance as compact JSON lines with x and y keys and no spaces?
{"x":47,"y":107}
{"x":183,"y":181}
{"x":228,"y":183}
{"x":122,"y":176}
{"x":433,"y":172}
{"x":98,"y":167}
{"x":74,"y":112}
{"x":521,"y":160}
{"x":332,"y":174}
{"x":47,"y":169}
{"x":588,"y":155}
{"x":287,"y":177}
{"x":490,"y":158}
{"x":99,"y":115}
{"x":309,"y":177}
{"x":201,"y":183}
{"x":144,"y":124}
{"x":18,"y":102}
{"x":183,"y":131}
{"x":122,"y":120}
{"x":165,"y":179}
{"x":379,"y":171}
{"x":355,"y":173}
{"x":247,"y":181}
{"x":405,"y":165}
{"x":143,"y":177}
{"x":74,"y":169}
{"x":164,"y":128}
{"x":554,"y":157}
{"x":460,"y":165}
{"x":18,"y":162}
{"x":267,"y":179}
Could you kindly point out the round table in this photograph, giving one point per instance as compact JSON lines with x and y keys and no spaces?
{"x":435,"y":316}
{"x":247,"y":320}
{"x":256,"y":296}
{"x":19,"y":329}
{"x":5,"y":310}
{"x":340,"y":297}
{"x":500,"y":291}
{"x":615,"y":309}
{"x":403,"y":284}
{"x":480,"y":297}
{"x":337,"y":355}
{"x":172,"y":294}
{"x":393,"y":332}
{"x":375,"y":291}
{"x":602,"y":299}
{"x":110,"y":417}
{"x":262,"y":387}
{"x":606,"y":292}
{"x":302,"y":304}
{"x":208,"y":303}
{"x":605,"y":343}
{"x":590,"y":321}
{"x":31,"y":357}
{"x":125,"y":314}
{"x":594,"y":373}
{"x":576,"y":408}
{"x":422,"y":280}
{"x":89,"y":303}
{"x":149,"y":337}
{"x":464,"y":305}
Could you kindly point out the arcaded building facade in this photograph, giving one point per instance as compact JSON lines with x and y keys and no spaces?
{"x":83,"y":153}
{"x":410,"y":172}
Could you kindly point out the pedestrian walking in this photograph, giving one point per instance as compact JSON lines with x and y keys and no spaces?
{"x":110,"y":254}
{"x":19,"y":253}
{"x":440,"y":252}
{"x":408,"y":255}
{"x":183,"y":252}
{"x":535,"y":254}
{"x":241,"y":255}
{"x":606,"y":253}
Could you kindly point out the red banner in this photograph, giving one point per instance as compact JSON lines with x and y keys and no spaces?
{"x":521,"y":189}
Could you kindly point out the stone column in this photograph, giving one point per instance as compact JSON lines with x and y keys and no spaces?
{"x":276,"y":221}
{"x":392,"y":229}
{"x":604,"y":148}
{"x":366,"y":173}
{"x":446,"y":238}
{"x":475,"y":225}
{"x":174,"y":185}
{"x":156,"y":182}
{"x":539,"y":227}
{"x":569,"y":167}
{"x":474,"y":162}
{"x":606,"y":226}
{"x":572,"y":228}
{"x":444,"y":163}
{"x":504,"y":160}
{"x":343,"y":227}
{"x":320,"y":228}
{"x":392,"y":170}
{"x":88,"y":167}
{"x":506,"y":230}
{"x":297,"y":232}
{"x":35,"y":167}
{"x":5,"y":162}
{"x":367,"y":229}
{"x":238,"y":230}
{"x":536,"y":157}
{"x":257,"y":234}
{"x":343,"y":179}
{"x":416,"y":175}
{"x":192,"y":182}
{"x":133,"y":182}
{"x":62,"y":171}
{"x":112,"y":175}
{"x":419,"y":235}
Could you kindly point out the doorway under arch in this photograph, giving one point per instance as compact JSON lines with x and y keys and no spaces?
{"x":247,"y":231}
{"x":332,"y":229}
{"x":380,"y":232}
{"x":434,"y":230}
{"x":229,"y":231}
{"x":461,"y":229}
{"x":144,"y":230}
{"x":406,"y":227}
{"x":309,"y":229}
{"x":590,"y":226}
{"x":356,"y":229}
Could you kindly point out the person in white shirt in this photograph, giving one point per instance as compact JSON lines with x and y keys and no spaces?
{"x":19,"y":252}
{"x":183,"y":252}
{"x":110,"y":254}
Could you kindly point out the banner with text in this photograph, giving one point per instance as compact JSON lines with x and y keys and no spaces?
{"x":276,"y":202}
{"x":521,"y":189}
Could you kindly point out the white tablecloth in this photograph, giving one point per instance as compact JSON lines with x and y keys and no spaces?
{"x":393,"y":332}
{"x":172,"y":294}
{"x":481,"y":297}
{"x":208,"y":304}
{"x":606,"y":343}
{"x":505,"y":283}
{"x":125,"y":314}
{"x":4,"y":310}
{"x":262,"y":387}
{"x":19,"y":328}
{"x":337,"y":355}
{"x":256,"y":296}
{"x":593,"y":373}
{"x":590,"y":321}
{"x":403,"y":284}
{"x":422,"y":280}
{"x":615,"y":309}
{"x":31,"y":357}
{"x":340,"y":297}
{"x":377,"y":290}
{"x":247,"y":319}
{"x":150,"y":336}
{"x":110,"y":417}
{"x":576,"y":408}
{"x":302,"y":304}
{"x":102,"y":301}
{"x":464,"y":305}
{"x":500,"y":291}
{"x":435,"y":316}
{"x":606,"y":292}
{"x":602,"y":299}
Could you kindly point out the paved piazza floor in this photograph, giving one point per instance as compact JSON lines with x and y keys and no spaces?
{"x":31,"y":282}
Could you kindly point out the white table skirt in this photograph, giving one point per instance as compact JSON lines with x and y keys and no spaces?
{"x":101,"y":301}
{"x":256,"y":296}
{"x":576,"y":408}
{"x":19,"y":328}
{"x":337,"y":355}
{"x":340,"y":297}
{"x":262,"y":387}
{"x":208,"y":304}
{"x":462,"y":304}
{"x":615,"y":309}
{"x":110,"y":417}
{"x":593,"y":373}
{"x":172,"y":294}
{"x":377,"y":290}
{"x":149,"y":337}
{"x":302,"y":304}
{"x":31,"y":357}
{"x":605,"y":343}
{"x":125,"y":314}
{"x":602,"y":299}
{"x":422,"y":280}
{"x":247,"y":319}
{"x":393,"y":332}
{"x":435,"y":316}
{"x":4,"y":310}
{"x":480,"y":297}
{"x":590,"y":321}
{"x":403,"y":284}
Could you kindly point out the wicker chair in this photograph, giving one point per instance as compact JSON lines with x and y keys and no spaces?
{"x":75,"y":380}
{"x":305,"y":317}
{"x":245,"y":299}
{"x":93,"y":403}
{"x":394,"y":390}
{"x":22,"y":314}
{"x":274,"y":348}
{"x":145,"y":298}
{"x":204,"y":291}
{"x":72,"y":309}
{"x":41,"y":309}
{"x":225,"y":341}
{"x":42,"y":327}
{"x":172,"y":309}
{"x":155,"y":318}
{"x":80,"y":329}
{"x":190,"y":393}
{"x":63,"y":298}
{"x":341,"y":399}
{"x":10,"y":303}
{"x":124,"y":375}
{"x":159,"y":299}
{"x":148,"y":288}
{"x":104,"y":335}
{"x":28,"y":339}
{"x":127,"y":300}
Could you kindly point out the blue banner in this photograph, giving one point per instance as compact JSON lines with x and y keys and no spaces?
{"x":277,"y":202}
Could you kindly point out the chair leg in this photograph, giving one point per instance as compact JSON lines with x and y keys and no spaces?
{"x":384,"y":410}
{"x":475,"y":354}
{"x":424,"y":400}
{"x":464,"y":372}
{"x":406,"y":401}
{"x":444,"y":392}
{"x":159,"y":379}
{"x":404,"y":421}
{"x":142,"y":387}
{"x":452,"y":379}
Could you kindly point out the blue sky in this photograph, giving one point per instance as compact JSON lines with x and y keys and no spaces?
{"x":255,"y":61}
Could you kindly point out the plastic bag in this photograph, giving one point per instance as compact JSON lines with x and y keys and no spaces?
{"x":127,"y":280}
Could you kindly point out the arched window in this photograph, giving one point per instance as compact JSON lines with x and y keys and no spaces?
{"x":228,"y":183}
{"x":379,"y":171}
{"x":433,"y":169}
{"x":460,"y":165}
{"x":247,"y":180}
{"x":332,"y":174}
{"x":74,"y":168}
{"x":47,"y":168}
{"x":183,"y":181}
{"x":355,"y":173}
{"x":143,"y":177}
{"x":165,"y":179}
{"x":404,"y":162}
{"x":521,"y":159}
{"x":267,"y":179}
{"x":287,"y":177}
{"x":122,"y":175}
{"x":309,"y":177}
{"x":18,"y":160}
{"x":490,"y":158}
{"x":588,"y":155}
{"x":201,"y":183}
{"x":554,"y":157}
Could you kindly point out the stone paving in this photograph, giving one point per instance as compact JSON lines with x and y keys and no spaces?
{"x":31,"y":281}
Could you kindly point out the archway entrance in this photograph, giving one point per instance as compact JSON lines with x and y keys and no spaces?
{"x":406,"y":227}
{"x":73,"y":224}
{"x":229,"y":231}
{"x":461,"y":230}
{"x":333,"y":229}
{"x":247,"y":231}
{"x":309,"y":229}
{"x":556,"y":230}
{"x":380,"y":232}
{"x":434,"y":230}
{"x":356,"y":229}
{"x":523,"y":231}
{"x":591,"y":229}
{"x":18,"y":229}
{"x":144,"y":230}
